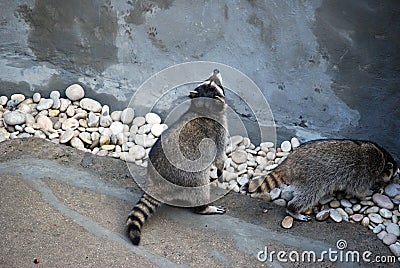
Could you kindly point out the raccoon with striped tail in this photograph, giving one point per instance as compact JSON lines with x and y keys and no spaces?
{"x":321,"y":167}
{"x":180,"y":159}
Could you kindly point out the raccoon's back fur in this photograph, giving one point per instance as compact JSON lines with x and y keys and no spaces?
{"x":321,"y":167}
{"x":182,"y":157}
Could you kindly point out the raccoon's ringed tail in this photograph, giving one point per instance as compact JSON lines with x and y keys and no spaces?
{"x":265,"y":184}
{"x":139,"y":214}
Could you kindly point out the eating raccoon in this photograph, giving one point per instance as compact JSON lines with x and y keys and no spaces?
{"x":180,"y":159}
{"x":321,"y":167}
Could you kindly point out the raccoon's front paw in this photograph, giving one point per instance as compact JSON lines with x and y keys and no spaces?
{"x":219,"y":209}
{"x":299,"y":216}
{"x":302,"y":217}
{"x":212,"y":210}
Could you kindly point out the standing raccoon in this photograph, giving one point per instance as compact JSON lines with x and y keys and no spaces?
{"x":179,"y":161}
{"x":321,"y":167}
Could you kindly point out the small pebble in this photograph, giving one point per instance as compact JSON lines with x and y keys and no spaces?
{"x":77,"y":143}
{"x":322,"y":215}
{"x":382,"y":234}
{"x":71,"y":123}
{"x":242,"y":180}
{"x":343,"y":213}
{"x":55,"y":94}
{"x":152,"y":118}
{"x":66,"y":136}
{"x":157,"y":129}
{"x":235,"y":188}
{"x":334,"y":204}
{"x":395,"y":249}
{"x":282,"y":154}
{"x":14,"y":118}
{"x":357,"y":217}
{"x":287,"y":222}
{"x":385,"y":213}
{"x":229,"y":176}
{"x":367,"y":203}
{"x":375,"y":218}
{"x":236,"y":140}
{"x":372,"y":210}
{"x":36,"y":97}
{"x":144,"y":141}
{"x":365,"y":221}
{"x":335,"y":216}
{"x":138,"y":121}
{"x":108,"y":147}
{"x":74,"y":92}
{"x":270,"y":155}
{"x":44,"y":104}
{"x":349,"y":211}
{"x":85,"y":137}
{"x":138,"y":152}
{"x":280,"y":202}
{"x":356,"y":207}
{"x":265,"y":146}
{"x":345,"y":203}
{"x":378,"y":229}
{"x":275,"y":193}
{"x":44,"y":122}
{"x":392,"y":189}
{"x":3,"y":100}
{"x":116,"y":128}
{"x":239,"y":157}
{"x":395,"y":218}
{"x":393,"y":228}
{"x":287,"y":193}
{"x":389,"y":239}
{"x":127,"y":115}
{"x":383,"y":201}
{"x":90,"y":105}
{"x":19,"y":97}
{"x":286,"y":146}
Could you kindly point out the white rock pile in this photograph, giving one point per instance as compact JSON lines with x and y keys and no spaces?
{"x":81,"y":122}
{"x":87,"y":125}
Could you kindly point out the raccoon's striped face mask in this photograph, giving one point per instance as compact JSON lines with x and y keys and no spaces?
{"x":210,"y":88}
{"x":390,"y":171}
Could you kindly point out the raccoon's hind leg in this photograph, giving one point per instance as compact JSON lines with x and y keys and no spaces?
{"x":139,"y":214}
{"x":296,"y":205}
{"x":219,"y":164}
{"x":208,"y":210}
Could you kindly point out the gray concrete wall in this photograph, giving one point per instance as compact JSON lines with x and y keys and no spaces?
{"x":327,"y":68}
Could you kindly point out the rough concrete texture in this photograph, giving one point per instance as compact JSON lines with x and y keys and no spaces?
{"x":327,"y":68}
{"x":68,"y":208}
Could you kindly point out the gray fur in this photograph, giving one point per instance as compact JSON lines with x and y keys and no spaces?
{"x":183,"y":154}
{"x":321,"y":167}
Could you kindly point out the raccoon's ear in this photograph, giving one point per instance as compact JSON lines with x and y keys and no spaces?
{"x":389,"y":165}
{"x":193,"y":94}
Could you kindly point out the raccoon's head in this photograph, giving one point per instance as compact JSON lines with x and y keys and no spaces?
{"x":391,"y":170}
{"x":210,"y":88}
